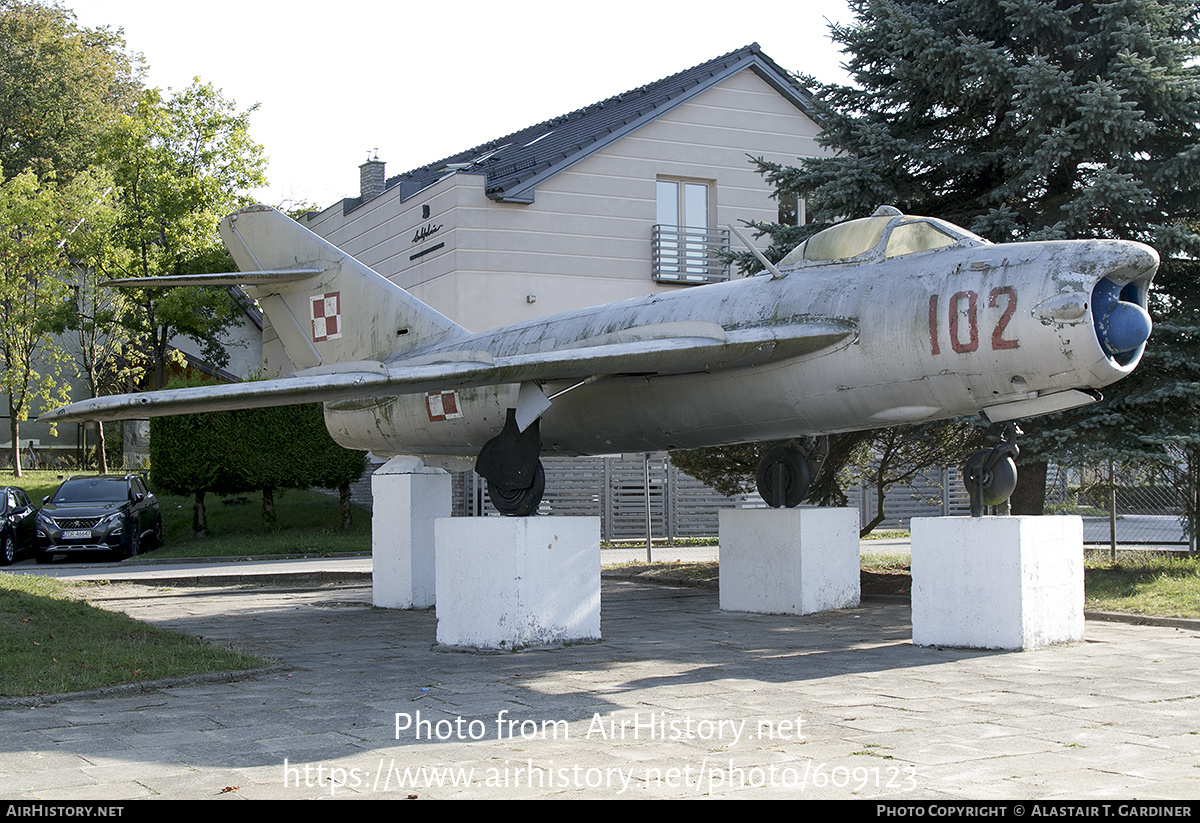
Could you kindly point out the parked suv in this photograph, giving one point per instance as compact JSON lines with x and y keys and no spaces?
{"x":18,"y":532}
{"x":107,"y":513}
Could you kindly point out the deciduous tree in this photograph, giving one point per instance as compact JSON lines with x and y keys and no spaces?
{"x":36,"y":219}
{"x":99,"y":336}
{"x":62,"y":88}
{"x":181,"y":163}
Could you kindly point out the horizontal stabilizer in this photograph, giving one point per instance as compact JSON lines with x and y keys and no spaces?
{"x":283,"y":391}
{"x":225,"y":278}
{"x":657,"y":357}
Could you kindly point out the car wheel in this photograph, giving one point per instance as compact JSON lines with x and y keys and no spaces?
{"x":158,"y":534}
{"x":8,"y":550}
{"x":135,"y":540}
{"x":43,"y":557}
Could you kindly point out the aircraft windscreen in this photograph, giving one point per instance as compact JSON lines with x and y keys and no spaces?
{"x":920,"y":235}
{"x":841,"y":242}
{"x":855,"y":237}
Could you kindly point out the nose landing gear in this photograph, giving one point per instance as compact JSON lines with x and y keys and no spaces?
{"x":991,"y":475}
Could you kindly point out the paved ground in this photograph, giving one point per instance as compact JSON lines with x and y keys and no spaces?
{"x":679,"y":700}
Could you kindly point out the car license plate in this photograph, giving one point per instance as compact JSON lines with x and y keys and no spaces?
{"x":75,"y":534}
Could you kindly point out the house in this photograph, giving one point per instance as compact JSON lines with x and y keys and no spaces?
{"x":623,"y":198}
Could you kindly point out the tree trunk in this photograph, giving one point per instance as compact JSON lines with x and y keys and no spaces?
{"x":101,"y":456}
{"x":14,"y":428}
{"x":879,"y":514}
{"x":1030,"y":495}
{"x":268,"y":509}
{"x":199,"y":524}
{"x":347,"y":511}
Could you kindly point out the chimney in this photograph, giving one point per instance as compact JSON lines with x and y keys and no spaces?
{"x":371,"y":178}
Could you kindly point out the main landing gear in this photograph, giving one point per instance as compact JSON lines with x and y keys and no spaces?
{"x":991,"y":475}
{"x":786,"y":470}
{"x":509,"y":462}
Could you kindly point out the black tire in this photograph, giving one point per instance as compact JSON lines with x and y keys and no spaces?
{"x":519,"y":502}
{"x":783,"y":477}
{"x":134,"y":545}
{"x":8,"y":550}
{"x":998,"y":484}
{"x":158,"y":534}
{"x":42,"y":558}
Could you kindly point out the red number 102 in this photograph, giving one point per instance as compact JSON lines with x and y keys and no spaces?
{"x":957,"y":311}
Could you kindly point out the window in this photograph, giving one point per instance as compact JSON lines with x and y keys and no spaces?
{"x":917,"y":236}
{"x":791,"y":210}
{"x":686,"y":248}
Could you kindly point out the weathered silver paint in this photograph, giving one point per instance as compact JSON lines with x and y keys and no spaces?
{"x":830,"y":346}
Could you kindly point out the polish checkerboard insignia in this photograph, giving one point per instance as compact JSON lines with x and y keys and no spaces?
{"x":326,"y":316}
{"x":442,"y":405}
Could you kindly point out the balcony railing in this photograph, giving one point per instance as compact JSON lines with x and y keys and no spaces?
{"x":682,"y":254}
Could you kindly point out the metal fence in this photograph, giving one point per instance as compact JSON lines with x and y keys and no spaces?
{"x":1143,"y":509}
{"x":613,"y":489}
{"x":1138,"y":505}
{"x":72,"y":446}
{"x":936,"y":493}
{"x":67,"y":446}
{"x":1131,"y":505}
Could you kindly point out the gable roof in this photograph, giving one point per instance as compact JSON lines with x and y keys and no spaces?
{"x":515,"y":164}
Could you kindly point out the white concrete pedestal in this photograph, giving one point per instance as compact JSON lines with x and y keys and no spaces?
{"x":408,"y":496}
{"x":997,"y":582}
{"x":511,"y":582}
{"x":789,"y":561}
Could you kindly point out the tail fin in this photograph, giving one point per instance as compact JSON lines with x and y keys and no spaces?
{"x":324,"y":305}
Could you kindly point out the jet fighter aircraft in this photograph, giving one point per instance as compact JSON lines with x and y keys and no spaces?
{"x":880,"y":321}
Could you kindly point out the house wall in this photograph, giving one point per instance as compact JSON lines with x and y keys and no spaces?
{"x":586,"y":238}
{"x":243,"y":344}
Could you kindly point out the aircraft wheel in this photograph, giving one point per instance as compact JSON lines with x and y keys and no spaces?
{"x":998,"y":483}
{"x":783,"y":477}
{"x":519,"y":502}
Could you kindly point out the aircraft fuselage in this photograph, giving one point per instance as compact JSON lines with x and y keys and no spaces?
{"x":924,"y":336}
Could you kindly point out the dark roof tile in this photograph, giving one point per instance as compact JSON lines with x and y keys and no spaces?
{"x":515,"y":163}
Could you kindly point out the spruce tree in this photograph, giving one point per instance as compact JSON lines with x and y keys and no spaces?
{"x":1018,"y":119}
{"x":1033,"y":120}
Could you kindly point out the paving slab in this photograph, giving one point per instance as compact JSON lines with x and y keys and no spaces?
{"x":678,"y":700}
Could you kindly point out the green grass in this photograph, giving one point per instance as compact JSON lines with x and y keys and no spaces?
{"x":1143,"y":583}
{"x":306,"y":522}
{"x":633,"y":543}
{"x":884,"y":560}
{"x":51,"y":643}
{"x":887,"y":534}
{"x":37,"y":484}
{"x":704,"y":570}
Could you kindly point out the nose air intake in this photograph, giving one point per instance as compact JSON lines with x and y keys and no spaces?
{"x":1121,"y":321}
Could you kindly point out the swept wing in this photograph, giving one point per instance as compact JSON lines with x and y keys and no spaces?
{"x":451,"y":370}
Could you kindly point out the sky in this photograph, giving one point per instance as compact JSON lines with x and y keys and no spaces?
{"x":414,"y":82}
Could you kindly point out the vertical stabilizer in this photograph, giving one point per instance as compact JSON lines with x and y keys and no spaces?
{"x":346,"y":312}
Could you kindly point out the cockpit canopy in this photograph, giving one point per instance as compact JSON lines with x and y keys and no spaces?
{"x":884,"y":235}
